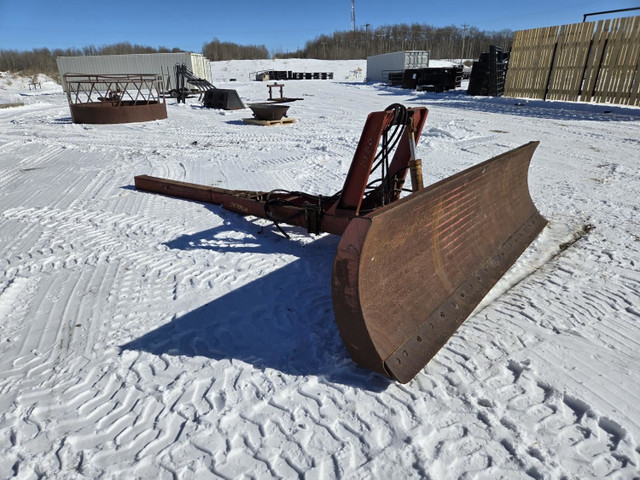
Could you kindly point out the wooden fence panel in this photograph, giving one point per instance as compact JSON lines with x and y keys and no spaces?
{"x":628,"y":92}
{"x":619,"y":68}
{"x":529,"y":62}
{"x":583,"y":61}
{"x":569,"y":63}
{"x":634,"y":53}
{"x":594,"y":60}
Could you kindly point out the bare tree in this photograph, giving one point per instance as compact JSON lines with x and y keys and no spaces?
{"x":217,"y":50}
{"x":441,"y":42}
{"x":43,"y":60}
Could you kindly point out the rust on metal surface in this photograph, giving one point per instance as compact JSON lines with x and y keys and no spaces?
{"x":112,"y":98}
{"x":407,"y":271}
{"x":432,"y":256}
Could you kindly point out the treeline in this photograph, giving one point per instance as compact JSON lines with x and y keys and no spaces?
{"x":440,"y":42}
{"x":43,"y":60}
{"x":216,"y":50}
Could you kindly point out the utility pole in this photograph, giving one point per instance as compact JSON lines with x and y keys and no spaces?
{"x":366,"y":38}
{"x":464,"y":36}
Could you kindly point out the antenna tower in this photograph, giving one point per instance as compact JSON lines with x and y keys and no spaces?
{"x":353,"y":15}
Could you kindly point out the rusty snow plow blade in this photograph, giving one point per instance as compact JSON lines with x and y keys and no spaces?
{"x":408,"y":271}
{"x":407,"y":275}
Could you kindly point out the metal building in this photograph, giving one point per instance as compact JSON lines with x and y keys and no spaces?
{"x":147,"y":63}
{"x":380,"y":66}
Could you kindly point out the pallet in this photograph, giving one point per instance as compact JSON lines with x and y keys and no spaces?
{"x":269,"y":123}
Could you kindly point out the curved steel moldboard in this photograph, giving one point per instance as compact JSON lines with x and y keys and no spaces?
{"x":406,"y":276}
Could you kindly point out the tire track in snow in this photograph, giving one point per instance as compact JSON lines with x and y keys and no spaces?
{"x":25,"y":161}
{"x":64,"y":318}
{"x":44,"y":359}
{"x":110,"y":270}
{"x":94,"y":235}
{"x":486,"y":407}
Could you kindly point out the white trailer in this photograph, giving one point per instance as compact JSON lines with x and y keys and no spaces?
{"x":148,"y":63}
{"x":379,"y":66}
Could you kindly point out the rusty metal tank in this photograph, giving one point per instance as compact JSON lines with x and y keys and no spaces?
{"x":110,"y":99}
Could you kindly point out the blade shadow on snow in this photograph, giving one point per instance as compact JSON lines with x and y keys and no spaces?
{"x":255,"y":237}
{"x":283,"y":320}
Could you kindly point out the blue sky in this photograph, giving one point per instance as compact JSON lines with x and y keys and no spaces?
{"x":280,"y":25}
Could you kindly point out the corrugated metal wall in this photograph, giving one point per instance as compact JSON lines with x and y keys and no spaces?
{"x":414,"y":59}
{"x":157,"y":63}
{"x":379,"y":66}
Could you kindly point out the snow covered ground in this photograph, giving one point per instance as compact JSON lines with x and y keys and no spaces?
{"x":150,"y":337}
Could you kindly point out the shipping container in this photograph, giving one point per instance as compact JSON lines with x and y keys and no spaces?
{"x":380,"y":66}
{"x":149,"y":63}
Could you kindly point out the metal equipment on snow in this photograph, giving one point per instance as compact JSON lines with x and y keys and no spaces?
{"x":212,"y":97}
{"x":114,"y":98}
{"x":408,"y":271}
{"x":268,"y":111}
